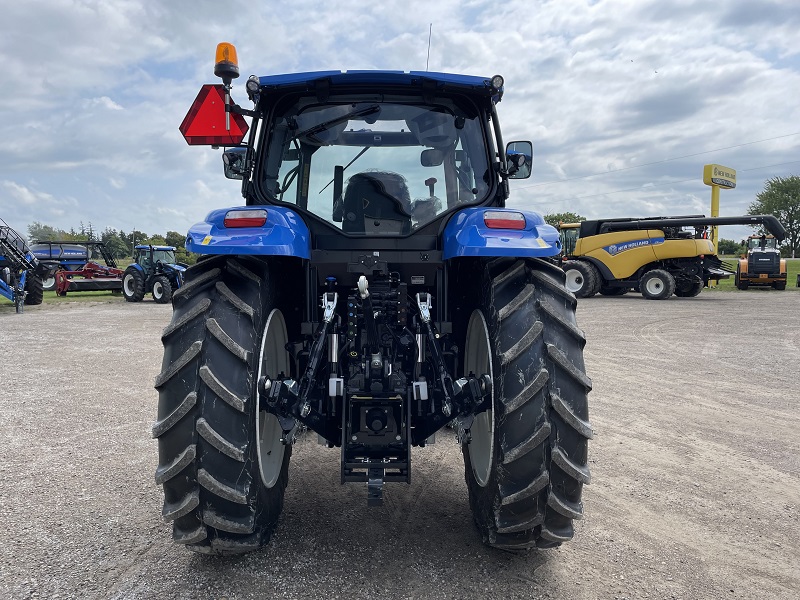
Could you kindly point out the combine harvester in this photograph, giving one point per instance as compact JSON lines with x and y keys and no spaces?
{"x":654,"y":255}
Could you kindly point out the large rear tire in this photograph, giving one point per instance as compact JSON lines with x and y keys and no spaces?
{"x":582,"y":278}
{"x":133,"y":284}
{"x":688,"y":289}
{"x":607,"y":290}
{"x":657,"y":284}
{"x":33,"y":287}
{"x":527,"y":463}
{"x":221,"y":462}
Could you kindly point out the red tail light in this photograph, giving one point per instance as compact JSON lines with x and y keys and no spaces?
{"x":501,"y":219}
{"x":245,"y":218}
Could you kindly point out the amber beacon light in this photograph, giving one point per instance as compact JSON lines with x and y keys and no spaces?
{"x":226,"y":65}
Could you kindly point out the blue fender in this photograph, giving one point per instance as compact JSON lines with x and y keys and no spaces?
{"x":137,"y":266}
{"x":466,"y":234}
{"x":283,"y":234}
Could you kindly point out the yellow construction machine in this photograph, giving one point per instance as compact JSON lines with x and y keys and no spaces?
{"x":762,"y":265}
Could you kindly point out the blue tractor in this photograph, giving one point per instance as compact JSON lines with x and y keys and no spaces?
{"x":155,"y":271}
{"x":374,"y":289}
{"x":21,"y":273}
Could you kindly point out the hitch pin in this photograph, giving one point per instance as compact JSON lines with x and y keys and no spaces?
{"x":329,"y":300}
{"x":424,"y":305}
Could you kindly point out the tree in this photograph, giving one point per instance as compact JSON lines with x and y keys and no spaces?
{"x":154,"y":240}
{"x":729,"y":247}
{"x":176,"y":239}
{"x":39,"y":232}
{"x":781,"y":198}
{"x":182,"y":256}
{"x":114,"y":243}
{"x":565,"y":217}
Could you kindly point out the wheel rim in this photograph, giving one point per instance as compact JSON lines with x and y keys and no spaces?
{"x":574,"y":280}
{"x":477,"y":360}
{"x":273,"y":359}
{"x":128,"y":284}
{"x":49,"y":283}
{"x":654,"y":286}
{"x":158,"y":290}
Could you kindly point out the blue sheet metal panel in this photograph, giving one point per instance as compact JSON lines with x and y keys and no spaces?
{"x":283,"y":234}
{"x":467,"y":235}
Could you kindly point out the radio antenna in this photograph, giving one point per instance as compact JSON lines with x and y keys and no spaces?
{"x":427,"y":62}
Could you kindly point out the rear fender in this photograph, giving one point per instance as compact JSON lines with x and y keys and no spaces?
{"x":283,"y":234}
{"x":466,"y":234}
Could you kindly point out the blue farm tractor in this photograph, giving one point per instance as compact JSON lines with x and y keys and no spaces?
{"x":154,"y":270}
{"x":21,"y":273}
{"x":374,"y":289}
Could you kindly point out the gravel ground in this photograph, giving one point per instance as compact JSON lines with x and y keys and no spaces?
{"x":695,"y":464}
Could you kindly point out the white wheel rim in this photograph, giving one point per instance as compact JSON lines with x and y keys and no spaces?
{"x":654,"y":286}
{"x":574,"y":280}
{"x":477,"y":360}
{"x":158,"y":290}
{"x":49,"y":283}
{"x":273,"y":359}
{"x":128,"y":283}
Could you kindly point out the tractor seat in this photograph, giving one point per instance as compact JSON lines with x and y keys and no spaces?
{"x":375,"y":203}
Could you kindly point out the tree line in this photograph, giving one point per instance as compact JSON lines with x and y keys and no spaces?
{"x":119,"y":243}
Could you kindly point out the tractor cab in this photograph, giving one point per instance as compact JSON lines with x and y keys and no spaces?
{"x":762,"y":242}
{"x":150,"y":256}
{"x":569,"y":233}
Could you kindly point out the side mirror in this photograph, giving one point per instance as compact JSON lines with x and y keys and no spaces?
{"x":234,"y":161}
{"x":431,"y":157}
{"x":519,"y":158}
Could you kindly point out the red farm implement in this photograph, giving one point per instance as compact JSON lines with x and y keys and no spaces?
{"x":91,"y":277}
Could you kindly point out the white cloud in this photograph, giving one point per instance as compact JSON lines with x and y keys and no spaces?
{"x":91,"y":133}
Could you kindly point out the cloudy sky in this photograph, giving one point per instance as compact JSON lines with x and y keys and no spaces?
{"x":624,"y":100}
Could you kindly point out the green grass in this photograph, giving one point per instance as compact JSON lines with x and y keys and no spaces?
{"x":792,"y":269}
{"x":71,"y":297}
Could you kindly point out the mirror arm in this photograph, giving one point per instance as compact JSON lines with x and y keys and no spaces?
{"x":235,"y":108}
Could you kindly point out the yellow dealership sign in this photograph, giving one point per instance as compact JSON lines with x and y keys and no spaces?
{"x":724,"y":177}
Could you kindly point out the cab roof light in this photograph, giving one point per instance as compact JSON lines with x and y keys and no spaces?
{"x":502,"y":219}
{"x":226,"y":65}
{"x":245,"y":218}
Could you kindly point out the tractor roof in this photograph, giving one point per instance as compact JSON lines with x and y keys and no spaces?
{"x":442,"y":81}
{"x":146,"y":247}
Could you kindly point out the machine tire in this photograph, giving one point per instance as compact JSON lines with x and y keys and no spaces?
{"x":33,"y":287}
{"x":49,"y":284}
{"x":657,"y":284}
{"x":162,"y":290}
{"x":133,"y":284}
{"x":209,"y":452}
{"x":582,"y":278}
{"x":689,"y":290}
{"x":613,"y":291}
{"x":779,"y":285}
{"x":527,"y":462}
